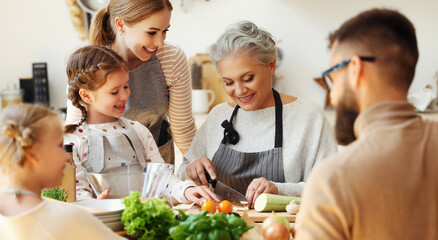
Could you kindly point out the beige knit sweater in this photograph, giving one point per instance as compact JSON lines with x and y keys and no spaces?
{"x":382,"y":186}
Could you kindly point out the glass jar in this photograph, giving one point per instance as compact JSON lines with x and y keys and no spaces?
{"x":11,"y":96}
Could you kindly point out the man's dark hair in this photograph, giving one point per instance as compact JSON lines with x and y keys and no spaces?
{"x":387,"y":35}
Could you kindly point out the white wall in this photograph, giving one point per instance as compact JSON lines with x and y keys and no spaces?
{"x":37,"y":31}
{"x":42,"y":31}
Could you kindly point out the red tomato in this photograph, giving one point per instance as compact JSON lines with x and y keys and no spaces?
{"x":225,"y":207}
{"x":209,"y":206}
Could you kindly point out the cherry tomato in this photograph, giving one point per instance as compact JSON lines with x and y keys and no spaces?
{"x":209,"y":206}
{"x":225,"y":206}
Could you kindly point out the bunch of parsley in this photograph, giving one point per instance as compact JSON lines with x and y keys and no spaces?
{"x":149,"y":220}
{"x":55,"y":193}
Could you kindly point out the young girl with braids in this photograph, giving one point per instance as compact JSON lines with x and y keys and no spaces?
{"x":32,"y":158}
{"x":104,"y":140}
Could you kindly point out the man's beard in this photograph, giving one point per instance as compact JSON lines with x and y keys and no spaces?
{"x":346,"y":114}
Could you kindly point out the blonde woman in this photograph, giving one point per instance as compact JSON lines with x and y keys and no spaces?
{"x":32,"y":158}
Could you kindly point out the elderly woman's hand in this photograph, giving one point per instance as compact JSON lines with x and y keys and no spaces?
{"x":259,"y":186}
{"x":196,"y":170}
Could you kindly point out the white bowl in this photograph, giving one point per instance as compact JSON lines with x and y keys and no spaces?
{"x":110,"y":218}
{"x":102,"y":207}
{"x":115,"y":226}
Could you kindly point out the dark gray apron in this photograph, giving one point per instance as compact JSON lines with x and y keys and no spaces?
{"x":149,"y":103}
{"x":237,"y":169}
{"x":117,"y":154}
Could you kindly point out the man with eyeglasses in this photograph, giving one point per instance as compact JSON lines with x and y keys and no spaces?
{"x":384,"y":184}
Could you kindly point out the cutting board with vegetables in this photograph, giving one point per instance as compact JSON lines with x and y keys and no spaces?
{"x":254,"y":215}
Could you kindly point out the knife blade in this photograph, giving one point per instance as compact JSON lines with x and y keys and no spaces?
{"x":225,"y":192}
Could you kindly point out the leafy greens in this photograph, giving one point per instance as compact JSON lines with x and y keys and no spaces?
{"x":149,"y":220}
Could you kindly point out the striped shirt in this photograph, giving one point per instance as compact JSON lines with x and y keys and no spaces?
{"x":176,"y":72}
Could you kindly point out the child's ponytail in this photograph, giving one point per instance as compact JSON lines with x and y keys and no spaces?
{"x":20,"y":126}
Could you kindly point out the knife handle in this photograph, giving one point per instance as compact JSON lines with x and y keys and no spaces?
{"x":211,"y":181}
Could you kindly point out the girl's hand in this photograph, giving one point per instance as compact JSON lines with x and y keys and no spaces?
{"x":196,"y":170}
{"x":103,"y":195}
{"x":259,"y":186}
{"x":196,"y":194}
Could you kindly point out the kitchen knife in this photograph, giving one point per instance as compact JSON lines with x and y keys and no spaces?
{"x":225,"y":192}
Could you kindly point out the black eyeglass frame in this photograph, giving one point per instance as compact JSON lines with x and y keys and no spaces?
{"x":325,"y":74}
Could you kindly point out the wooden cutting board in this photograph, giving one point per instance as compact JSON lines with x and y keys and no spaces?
{"x":253,"y":214}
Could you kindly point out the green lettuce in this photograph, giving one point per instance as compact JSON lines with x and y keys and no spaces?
{"x":149,"y":220}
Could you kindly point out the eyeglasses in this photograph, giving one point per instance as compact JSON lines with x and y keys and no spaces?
{"x":328,"y":80}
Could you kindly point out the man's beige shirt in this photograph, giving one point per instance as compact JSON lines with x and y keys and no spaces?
{"x":382,"y":186}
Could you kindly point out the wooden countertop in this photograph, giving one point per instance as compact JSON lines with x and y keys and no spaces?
{"x":253,"y":215}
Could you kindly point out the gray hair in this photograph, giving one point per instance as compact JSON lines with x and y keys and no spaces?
{"x":244,"y":38}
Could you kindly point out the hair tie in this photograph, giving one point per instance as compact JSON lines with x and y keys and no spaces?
{"x":10,"y":129}
{"x":231,"y":135}
{"x":23,"y":137}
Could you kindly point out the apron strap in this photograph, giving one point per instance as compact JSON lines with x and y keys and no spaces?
{"x":278,"y":120}
{"x":153,"y":56}
{"x":95,"y":142}
{"x":230,"y":135}
{"x":135,"y":142}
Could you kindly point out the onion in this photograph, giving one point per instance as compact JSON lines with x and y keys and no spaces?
{"x":273,"y":219}
{"x":276,"y":231}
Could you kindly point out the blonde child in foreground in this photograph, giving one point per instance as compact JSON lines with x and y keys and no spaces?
{"x":32,"y":158}
{"x":98,"y":86}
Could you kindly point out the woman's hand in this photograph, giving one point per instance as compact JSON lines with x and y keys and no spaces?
{"x":196,"y":170}
{"x":103,"y":194}
{"x":259,"y":186}
{"x":196,"y":194}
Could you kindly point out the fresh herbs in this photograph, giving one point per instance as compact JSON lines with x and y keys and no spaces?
{"x":217,"y":226}
{"x":149,"y":220}
{"x":55,"y":193}
{"x":153,"y":219}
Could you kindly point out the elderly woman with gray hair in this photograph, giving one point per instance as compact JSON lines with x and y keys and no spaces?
{"x":263,"y":141}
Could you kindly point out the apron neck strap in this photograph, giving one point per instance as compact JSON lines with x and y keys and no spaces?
{"x":153,"y":57}
{"x":278,"y":120}
{"x":231,"y":136}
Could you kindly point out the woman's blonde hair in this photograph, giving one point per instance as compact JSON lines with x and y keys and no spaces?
{"x":88,"y":68}
{"x":21,"y":125}
{"x":103,"y":30}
